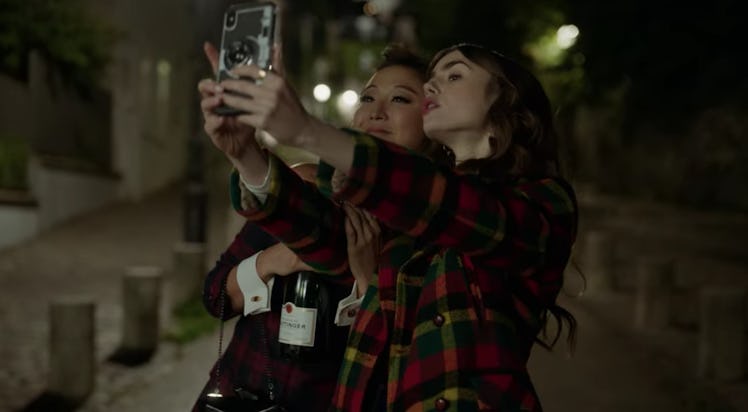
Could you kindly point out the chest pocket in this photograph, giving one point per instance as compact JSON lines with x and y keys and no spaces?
{"x":446,"y":306}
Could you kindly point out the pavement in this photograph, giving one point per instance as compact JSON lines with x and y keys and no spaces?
{"x":87,"y":257}
{"x":614,"y":368}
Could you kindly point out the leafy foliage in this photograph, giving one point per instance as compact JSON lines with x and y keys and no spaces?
{"x":190,"y":322}
{"x":677,"y":58}
{"x":501,"y":25}
{"x":77,"y":46}
{"x":14,"y":155}
{"x":663,"y":70}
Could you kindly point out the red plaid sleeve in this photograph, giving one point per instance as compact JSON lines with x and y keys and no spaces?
{"x":301,"y":217}
{"x":413,"y":195}
{"x":250,"y":240}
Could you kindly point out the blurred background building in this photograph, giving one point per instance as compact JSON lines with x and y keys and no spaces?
{"x":99,"y":107}
{"x":649,"y":99}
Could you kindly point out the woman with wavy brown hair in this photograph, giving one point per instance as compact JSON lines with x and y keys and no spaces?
{"x":472,"y":265}
{"x":248,"y":279}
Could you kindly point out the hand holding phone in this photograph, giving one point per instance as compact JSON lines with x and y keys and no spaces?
{"x":247,"y":38}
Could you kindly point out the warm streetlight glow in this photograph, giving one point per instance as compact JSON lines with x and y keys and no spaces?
{"x":370,"y":9}
{"x":322,"y":93}
{"x":567,"y":35}
{"x":346,"y":103}
{"x":349,"y":98}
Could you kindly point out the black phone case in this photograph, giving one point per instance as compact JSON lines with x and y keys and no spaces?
{"x":247,"y":38}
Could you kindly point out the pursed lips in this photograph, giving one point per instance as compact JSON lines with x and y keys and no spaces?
{"x":429,"y":105}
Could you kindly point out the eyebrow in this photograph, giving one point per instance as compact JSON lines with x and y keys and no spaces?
{"x":452,"y":63}
{"x":401,"y":86}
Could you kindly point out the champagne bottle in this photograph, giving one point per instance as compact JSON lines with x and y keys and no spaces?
{"x":305,"y":321}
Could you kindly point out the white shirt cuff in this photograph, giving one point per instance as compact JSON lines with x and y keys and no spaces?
{"x":348,"y":308}
{"x":256,"y":293}
{"x":259,"y":191}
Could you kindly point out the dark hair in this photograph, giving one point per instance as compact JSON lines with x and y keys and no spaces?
{"x":524,"y":142}
{"x":396,"y":54}
{"x":524,"y":139}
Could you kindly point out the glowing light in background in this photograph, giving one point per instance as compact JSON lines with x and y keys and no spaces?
{"x":346,"y":103}
{"x":567,"y":35}
{"x":370,"y":9}
{"x":365,"y":26}
{"x":375,"y":7}
{"x":349,"y":98}
{"x":322,"y":93}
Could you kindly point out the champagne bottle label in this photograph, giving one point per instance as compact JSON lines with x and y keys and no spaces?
{"x":297,"y":325}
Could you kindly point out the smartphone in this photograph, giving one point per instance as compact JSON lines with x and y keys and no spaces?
{"x":247,"y":38}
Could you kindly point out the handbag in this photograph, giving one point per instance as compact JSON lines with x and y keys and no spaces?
{"x":242,"y":400}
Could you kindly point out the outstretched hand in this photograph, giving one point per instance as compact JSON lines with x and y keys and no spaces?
{"x":363,"y":233}
{"x":269,"y":102}
{"x":227,"y":133}
{"x":279,"y":260}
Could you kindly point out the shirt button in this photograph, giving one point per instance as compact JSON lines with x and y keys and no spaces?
{"x":352,"y":313}
{"x":438,"y":321}
{"x":256,"y":298}
{"x":441,"y":404}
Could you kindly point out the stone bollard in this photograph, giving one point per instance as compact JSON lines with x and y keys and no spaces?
{"x":654,"y":284}
{"x":141,"y":302}
{"x":597,"y":261}
{"x":188,"y":272}
{"x":722,"y":334}
{"x":72,"y":351}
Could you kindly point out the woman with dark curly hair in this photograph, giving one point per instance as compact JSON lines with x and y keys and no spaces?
{"x":472,"y":262}
{"x":249,"y":277}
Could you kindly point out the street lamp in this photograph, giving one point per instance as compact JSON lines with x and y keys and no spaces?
{"x":566,"y":36}
{"x":322,"y":93}
{"x":346,"y":103}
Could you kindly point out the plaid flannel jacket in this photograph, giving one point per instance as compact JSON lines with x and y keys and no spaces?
{"x":461,"y":289}
{"x":249,"y":357}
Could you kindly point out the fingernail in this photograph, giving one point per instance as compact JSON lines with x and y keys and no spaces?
{"x":218,"y":89}
{"x":262,"y":73}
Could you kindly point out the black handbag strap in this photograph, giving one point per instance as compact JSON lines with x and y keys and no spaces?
{"x":270,"y":383}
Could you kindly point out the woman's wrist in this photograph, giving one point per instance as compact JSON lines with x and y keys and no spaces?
{"x":308,"y":136}
{"x":252,"y":165}
{"x":361,"y":286}
{"x":233,"y":291}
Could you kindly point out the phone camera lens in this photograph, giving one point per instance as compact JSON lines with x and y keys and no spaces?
{"x":238,"y":53}
{"x":230,"y":19}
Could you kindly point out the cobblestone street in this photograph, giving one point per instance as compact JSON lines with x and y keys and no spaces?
{"x":85,"y":257}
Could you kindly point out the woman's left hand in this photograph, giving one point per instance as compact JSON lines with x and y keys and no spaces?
{"x":362,"y":232}
{"x":270,"y":103}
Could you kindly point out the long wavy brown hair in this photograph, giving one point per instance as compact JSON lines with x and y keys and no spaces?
{"x":523,"y":140}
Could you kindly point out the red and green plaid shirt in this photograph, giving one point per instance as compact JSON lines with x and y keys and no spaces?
{"x":462,"y":284}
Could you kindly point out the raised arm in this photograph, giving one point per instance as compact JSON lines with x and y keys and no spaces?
{"x":234,"y":138}
{"x":297,"y":214}
{"x":409,"y":193}
{"x":406,"y":191}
